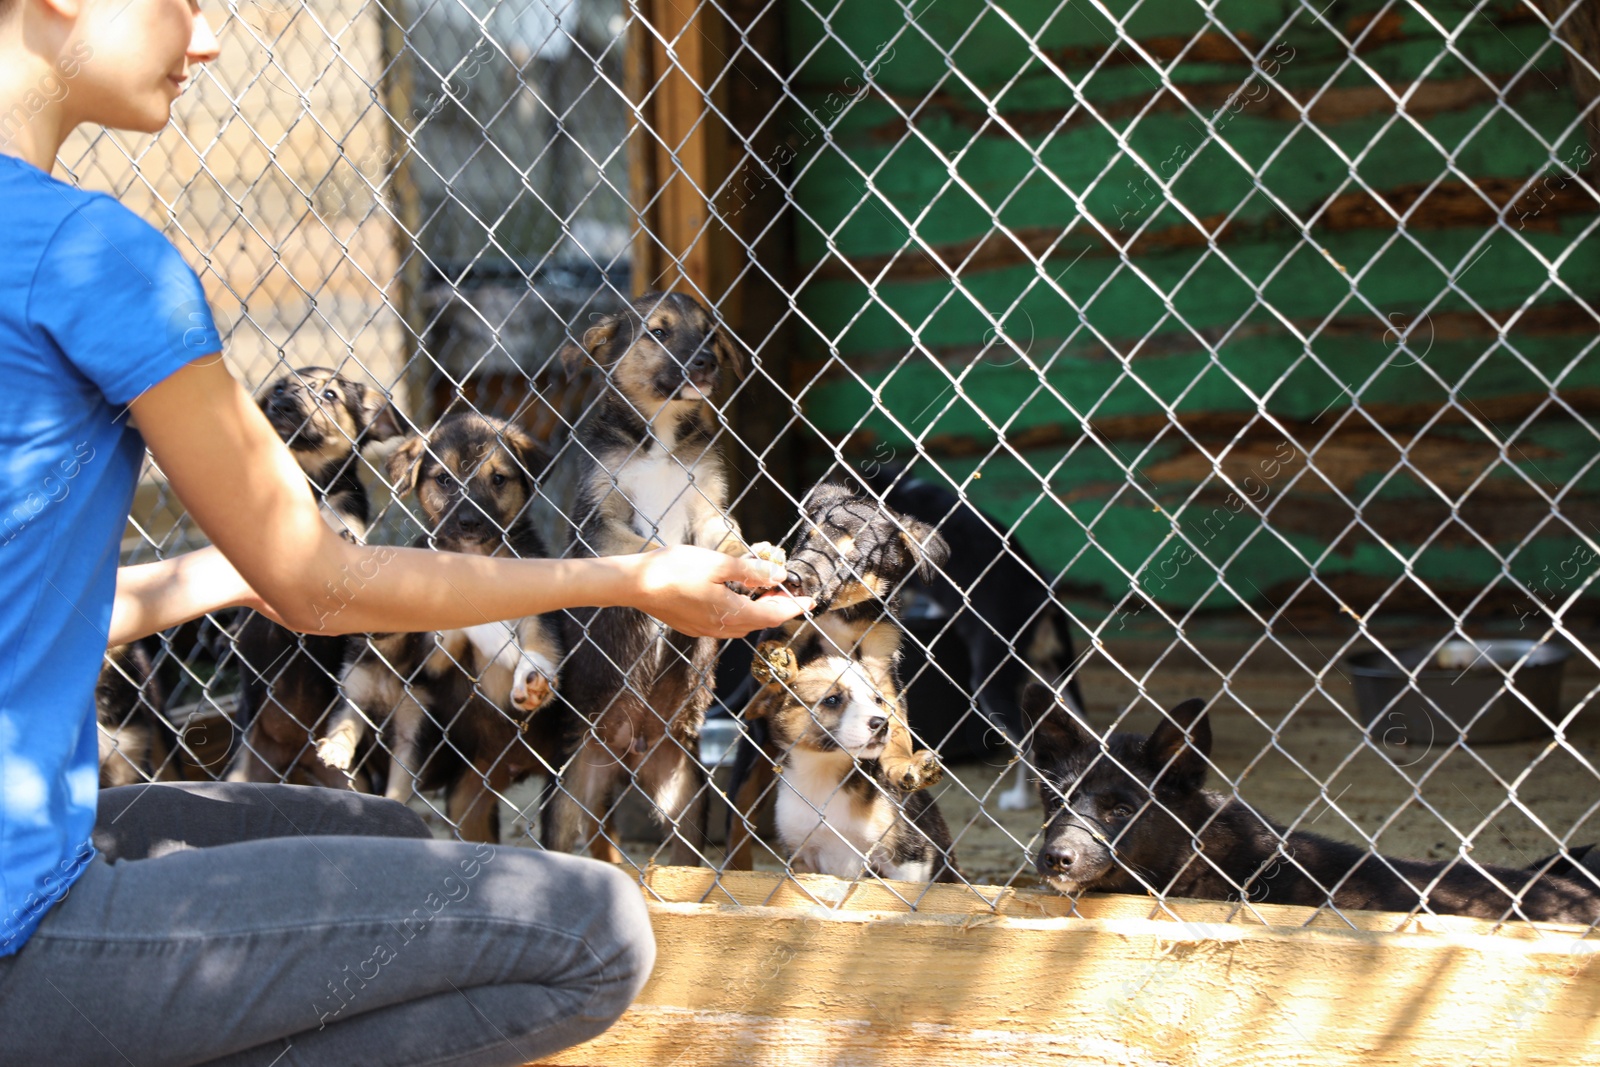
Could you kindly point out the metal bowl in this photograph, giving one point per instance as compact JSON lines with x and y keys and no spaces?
{"x":1454,"y":682}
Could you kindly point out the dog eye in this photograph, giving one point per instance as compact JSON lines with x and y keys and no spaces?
{"x":832,"y":700}
{"x":329,"y":394}
{"x":497,"y":479}
{"x":1122,"y":811}
{"x":658,"y":331}
{"x":278,"y":388}
{"x":443,"y":478}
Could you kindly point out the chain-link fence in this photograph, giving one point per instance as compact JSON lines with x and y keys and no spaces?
{"x":1178,"y":352}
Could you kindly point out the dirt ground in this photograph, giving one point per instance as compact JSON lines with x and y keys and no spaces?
{"x":1290,"y":743}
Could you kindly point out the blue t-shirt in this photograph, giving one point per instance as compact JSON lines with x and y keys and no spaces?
{"x":95,"y":308}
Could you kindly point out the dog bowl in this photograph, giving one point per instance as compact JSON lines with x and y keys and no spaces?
{"x":718,"y":738}
{"x":1454,"y":682}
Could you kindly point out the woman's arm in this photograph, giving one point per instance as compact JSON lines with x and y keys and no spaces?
{"x":154,"y":596}
{"x":244,"y":489}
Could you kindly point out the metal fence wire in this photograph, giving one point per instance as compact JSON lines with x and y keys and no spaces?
{"x":1163,"y":350}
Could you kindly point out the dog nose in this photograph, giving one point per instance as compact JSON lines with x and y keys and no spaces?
{"x":1057,"y":859}
{"x":704,"y":359}
{"x":876,"y":723}
{"x":469,"y":519}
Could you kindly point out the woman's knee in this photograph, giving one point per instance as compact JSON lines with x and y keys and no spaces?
{"x":390,"y":818}
{"x":631,"y":945}
{"x":318,"y":811}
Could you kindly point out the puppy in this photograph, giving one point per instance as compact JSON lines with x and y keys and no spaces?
{"x":136,"y":741}
{"x":999,"y":605}
{"x":854,"y":555}
{"x":290,"y":680}
{"x":1137,"y":816}
{"x":642,"y":470}
{"x":458,"y":707}
{"x":831,"y":704}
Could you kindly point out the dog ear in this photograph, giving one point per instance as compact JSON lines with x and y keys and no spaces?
{"x":1180,"y":743}
{"x":729,"y":353}
{"x":530,"y":453}
{"x":403,"y":464}
{"x":595,"y":338}
{"x":876,"y":643}
{"x":377,"y":419}
{"x":929,"y":551}
{"x":1056,"y":734}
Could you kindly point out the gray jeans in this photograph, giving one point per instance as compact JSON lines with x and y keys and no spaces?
{"x":290,"y":926}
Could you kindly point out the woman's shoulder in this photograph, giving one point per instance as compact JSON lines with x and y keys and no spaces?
{"x":51,"y":216}
{"x":101,"y":284}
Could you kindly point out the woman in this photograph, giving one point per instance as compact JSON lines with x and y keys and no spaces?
{"x":232,"y":923}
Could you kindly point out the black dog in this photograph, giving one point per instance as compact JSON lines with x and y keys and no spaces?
{"x":289,"y":680}
{"x":854,"y":554}
{"x":1135,"y":817}
{"x":999,"y":604}
{"x":137,"y":744}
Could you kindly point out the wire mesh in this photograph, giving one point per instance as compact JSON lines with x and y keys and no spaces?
{"x":433,"y":201}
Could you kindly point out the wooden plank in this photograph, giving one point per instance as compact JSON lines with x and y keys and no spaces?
{"x":637,"y":84}
{"x":797,"y":983}
{"x":680,"y":58}
{"x":704,"y":77}
{"x":699,"y":885}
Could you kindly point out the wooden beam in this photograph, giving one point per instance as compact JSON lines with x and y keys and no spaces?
{"x":674,"y":62}
{"x":713,"y":222}
{"x":815,"y":970}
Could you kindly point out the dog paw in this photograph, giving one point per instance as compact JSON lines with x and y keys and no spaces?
{"x":921,"y":771}
{"x":774,"y":662}
{"x":337,"y":751}
{"x":770,"y":552}
{"x":760,"y":550}
{"x":531,"y":691}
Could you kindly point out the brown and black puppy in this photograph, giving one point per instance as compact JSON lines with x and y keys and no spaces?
{"x":291,"y":681}
{"x":1131,"y":815}
{"x":326,"y":420}
{"x":642,"y":470}
{"x":854,"y":555}
{"x":457,"y":707}
{"x":831,"y":703}
{"x":136,"y":741}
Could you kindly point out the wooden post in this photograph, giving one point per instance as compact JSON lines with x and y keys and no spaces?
{"x":407,"y":211}
{"x":672,"y":61}
{"x":701,"y":78}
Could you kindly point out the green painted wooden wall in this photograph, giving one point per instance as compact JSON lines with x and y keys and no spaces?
{"x":1156,"y":349}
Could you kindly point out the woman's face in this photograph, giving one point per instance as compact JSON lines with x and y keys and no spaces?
{"x":136,"y":58}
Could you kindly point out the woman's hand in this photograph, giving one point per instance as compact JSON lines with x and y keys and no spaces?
{"x":683,"y":587}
